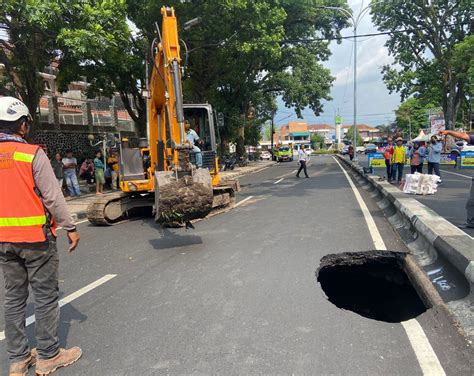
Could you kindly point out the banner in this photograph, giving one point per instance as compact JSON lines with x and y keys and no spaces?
{"x":467,"y":159}
{"x":376,"y":160}
{"x":437,"y":123}
{"x":448,"y":159}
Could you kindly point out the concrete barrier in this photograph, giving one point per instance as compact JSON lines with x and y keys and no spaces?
{"x":426,"y":234}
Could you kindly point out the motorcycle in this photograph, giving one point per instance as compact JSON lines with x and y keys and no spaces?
{"x":229,"y":163}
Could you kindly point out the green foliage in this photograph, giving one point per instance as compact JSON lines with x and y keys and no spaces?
{"x":350,"y":136}
{"x":317,"y":141}
{"x":39,"y":32}
{"x":423,"y":44}
{"x":413,"y":111}
{"x":463,"y":63}
{"x":244,"y":54}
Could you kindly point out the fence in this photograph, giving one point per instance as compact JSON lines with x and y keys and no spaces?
{"x":72,"y":109}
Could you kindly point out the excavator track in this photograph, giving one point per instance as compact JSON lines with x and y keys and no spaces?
{"x":112,"y":208}
{"x":105,"y":210}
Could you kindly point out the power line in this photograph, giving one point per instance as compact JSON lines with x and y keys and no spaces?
{"x":309,"y":40}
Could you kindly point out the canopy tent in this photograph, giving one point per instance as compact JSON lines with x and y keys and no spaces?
{"x":422,"y":137}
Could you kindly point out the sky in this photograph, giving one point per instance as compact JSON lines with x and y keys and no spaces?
{"x":375,"y":104}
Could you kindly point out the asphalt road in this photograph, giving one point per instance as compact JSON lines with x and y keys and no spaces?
{"x":238,"y":295}
{"x":450,"y":200}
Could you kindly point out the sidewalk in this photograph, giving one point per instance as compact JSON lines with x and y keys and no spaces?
{"x":78,"y":205}
{"x":450,"y":200}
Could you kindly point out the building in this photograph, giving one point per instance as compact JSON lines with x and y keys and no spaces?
{"x":300,"y":132}
{"x":294,"y":131}
{"x":324,"y":130}
{"x":366,"y":132}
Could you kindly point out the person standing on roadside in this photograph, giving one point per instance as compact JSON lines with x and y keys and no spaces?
{"x":58,"y":169}
{"x":99,"y":173}
{"x":387,"y":154}
{"x":470,"y":201}
{"x":303,"y":158}
{"x":86,"y":171}
{"x":31,"y":205}
{"x":399,"y":159}
{"x":350,"y":151}
{"x":433,"y":152}
{"x":416,"y":158}
{"x":113,"y":163}
{"x":70,"y":164}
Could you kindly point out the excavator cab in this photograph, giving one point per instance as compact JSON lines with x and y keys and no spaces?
{"x":201,"y":118}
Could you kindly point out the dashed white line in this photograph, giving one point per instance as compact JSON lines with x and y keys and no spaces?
{"x":279,"y":181}
{"x":77,"y":223}
{"x":457,"y":174}
{"x":68,"y":299}
{"x":427,"y":358}
{"x":243,"y":201}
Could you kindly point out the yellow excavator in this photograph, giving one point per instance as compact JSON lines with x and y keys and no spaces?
{"x":161,"y":172}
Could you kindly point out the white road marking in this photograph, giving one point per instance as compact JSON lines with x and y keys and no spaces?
{"x":288,"y":174}
{"x":243,"y":201}
{"x":374,"y":231}
{"x":77,"y":223}
{"x":427,"y":359}
{"x":68,"y":299}
{"x":457,"y":174}
{"x":279,"y":181}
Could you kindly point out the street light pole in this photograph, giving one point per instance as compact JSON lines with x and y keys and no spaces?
{"x":355,"y":24}
{"x":355,"y":90}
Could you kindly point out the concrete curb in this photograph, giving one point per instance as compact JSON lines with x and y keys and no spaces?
{"x":426,"y":234}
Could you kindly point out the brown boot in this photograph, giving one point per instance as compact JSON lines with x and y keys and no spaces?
{"x":21,"y":368}
{"x":63,"y":359}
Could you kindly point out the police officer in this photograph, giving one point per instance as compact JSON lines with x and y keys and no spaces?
{"x":31,"y":203}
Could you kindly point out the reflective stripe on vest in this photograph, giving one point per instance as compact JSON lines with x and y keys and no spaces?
{"x":23,"y":218}
{"x":23,"y":157}
{"x":22,"y":222}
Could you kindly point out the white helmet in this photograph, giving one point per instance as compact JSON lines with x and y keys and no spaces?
{"x":12,"y":109}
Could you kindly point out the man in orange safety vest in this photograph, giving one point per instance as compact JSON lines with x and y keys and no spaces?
{"x":31,"y":203}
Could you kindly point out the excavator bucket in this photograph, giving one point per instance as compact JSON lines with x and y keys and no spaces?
{"x":181,"y":200}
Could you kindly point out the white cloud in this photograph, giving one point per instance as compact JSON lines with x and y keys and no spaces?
{"x":375,"y":104}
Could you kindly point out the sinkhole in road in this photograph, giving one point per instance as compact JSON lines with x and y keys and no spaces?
{"x":372,"y":284}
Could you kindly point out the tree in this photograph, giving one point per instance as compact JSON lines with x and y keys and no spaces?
{"x":412,"y":113}
{"x":40,"y":32}
{"x":386,"y":130}
{"x":317,"y":141}
{"x":245,"y":53}
{"x":350,"y":136}
{"x":422,"y":40}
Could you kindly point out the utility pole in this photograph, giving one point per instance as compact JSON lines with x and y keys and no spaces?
{"x":271,"y":134}
{"x":355,"y":24}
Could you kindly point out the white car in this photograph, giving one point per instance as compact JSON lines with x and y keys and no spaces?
{"x":265,"y":156}
{"x":360,"y":149}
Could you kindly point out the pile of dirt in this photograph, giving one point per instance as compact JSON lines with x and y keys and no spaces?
{"x":183,"y":200}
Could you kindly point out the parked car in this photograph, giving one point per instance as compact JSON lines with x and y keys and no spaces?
{"x":370,"y":148}
{"x":360,"y":149}
{"x":345,"y":150}
{"x":265,"y":156}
